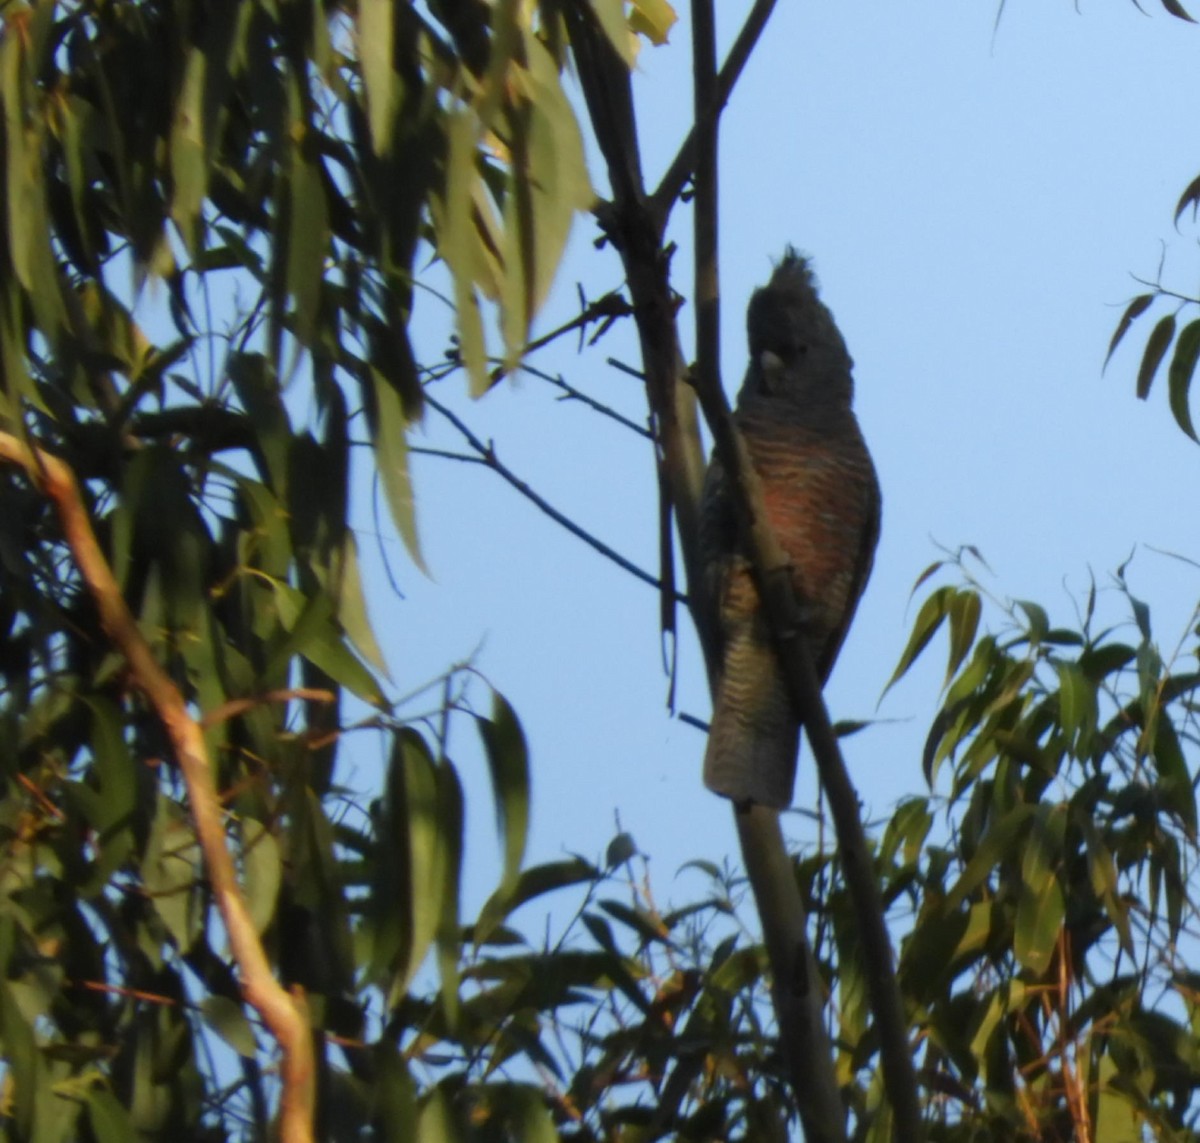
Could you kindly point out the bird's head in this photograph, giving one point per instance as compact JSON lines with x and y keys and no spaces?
{"x":796,"y":350}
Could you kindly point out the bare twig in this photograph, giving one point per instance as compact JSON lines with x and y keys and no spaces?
{"x":680,"y":170}
{"x":570,"y":393}
{"x":234,"y":707}
{"x":284,"y":1015}
{"x":486,"y":454}
{"x":604,"y":309}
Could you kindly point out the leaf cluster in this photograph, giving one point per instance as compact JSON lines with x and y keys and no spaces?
{"x":1049,"y":962}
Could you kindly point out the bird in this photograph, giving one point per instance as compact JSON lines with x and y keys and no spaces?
{"x":822,"y":498}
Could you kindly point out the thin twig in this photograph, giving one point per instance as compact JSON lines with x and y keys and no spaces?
{"x":487,"y":455}
{"x":234,"y":707}
{"x":680,"y":170}
{"x":604,"y":309}
{"x":284,"y":1015}
{"x":570,"y":393}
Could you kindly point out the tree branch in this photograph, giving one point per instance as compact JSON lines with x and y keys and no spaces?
{"x":785,"y":620}
{"x":284,"y":1015}
{"x":487,"y":455}
{"x":678,"y":173}
{"x":797,"y":992}
{"x":634,"y":226}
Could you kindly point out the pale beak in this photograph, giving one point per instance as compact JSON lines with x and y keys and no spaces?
{"x":771,"y":366}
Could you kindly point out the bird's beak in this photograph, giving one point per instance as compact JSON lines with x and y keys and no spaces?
{"x":771,"y":366}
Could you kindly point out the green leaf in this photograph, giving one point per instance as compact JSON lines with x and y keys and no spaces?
{"x":420,"y":848}
{"x":21,"y":1053}
{"x":1179,"y":376}
{"x":376,"y":19}
{"x":109,"y":1121}
{"x":308,"y":231}
{"x":533,"y":883}
{"x":508,"y":763}
{"x":610,"y":14}
{"x":436,"y":1121}
{"x":389,"y":431}
{"x":450,"y":817}
{"x":189,"y":170}
{"x":1117,"y":1115}
{"x":648,"y":926}
{"x":1178,"y":10}
{"x":654,"y":19}
{"x":1156,"y":348}
{"x":931,"y":616}
{"x":995,"y":846}
{"x":262,"y":872}
{"x":621,"y":849}
{"x":964,"y":623}
{"x":458,"y":240}
{"x":1174,"y":779}
{"x":395,"y":1095}
{"x":1041,"y":905}
{"x":1190,"y":197}
{"x":228,"y":1020}
{"x":549,"y":186}
{"x":1078,"y":709}
{"x":315,"y":636}
{"x":1133,"y":311}
{"x":171,"y":873}
{"x":352,"y":607}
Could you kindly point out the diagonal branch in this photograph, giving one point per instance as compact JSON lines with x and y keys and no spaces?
{"x":682,"y":166}
{"x":284,"y":1015}
{"x":486,"y":454}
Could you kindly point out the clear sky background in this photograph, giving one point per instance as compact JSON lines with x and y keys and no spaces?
{"x":976,"y":200}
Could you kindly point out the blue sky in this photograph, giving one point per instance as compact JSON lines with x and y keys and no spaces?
{"x":976,"y":200}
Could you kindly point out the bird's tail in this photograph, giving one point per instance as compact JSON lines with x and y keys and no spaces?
{"x":753,"y":740}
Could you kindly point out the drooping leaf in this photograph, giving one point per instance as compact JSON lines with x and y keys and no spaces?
{"x":508,"y":763}
{"x":1134,"y":310}
{"x":352,"y":608}
{"x":932,"y":615}
{"x":548,"y":187}
{"x":1156,"y":348}
{"x":376,"y":20}
{"x":390,"y":436}
{"x":1179,"y":376}
{"x":611,"y":16}
{"x":1041,"y":905}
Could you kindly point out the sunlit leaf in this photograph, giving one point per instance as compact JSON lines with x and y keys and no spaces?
{"x":375,"y":38}
{"x":611,"y":16}
{"x":654,"y":19}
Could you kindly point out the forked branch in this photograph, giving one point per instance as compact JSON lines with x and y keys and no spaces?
{"x":284,"y":1015}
